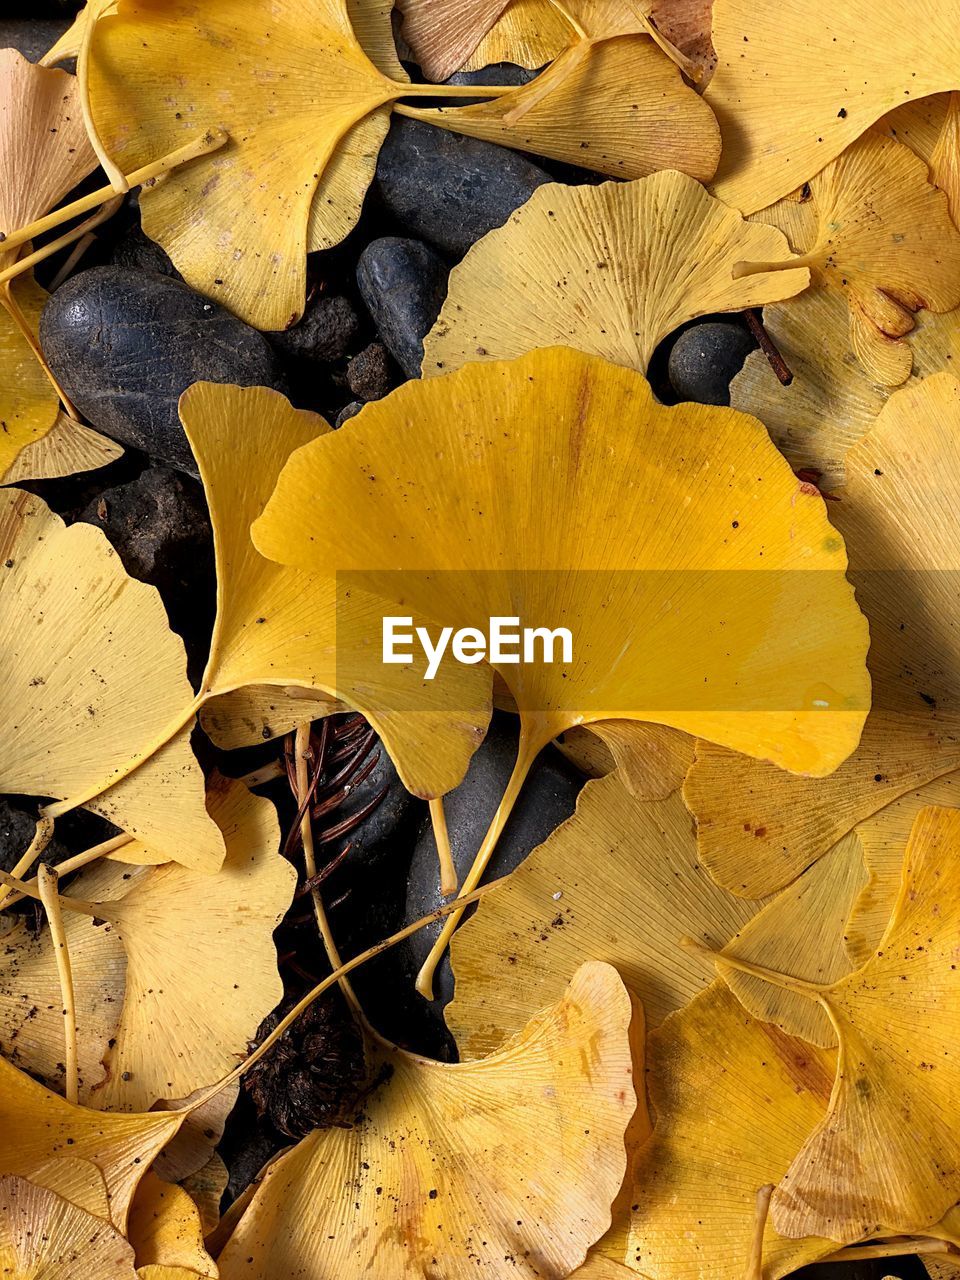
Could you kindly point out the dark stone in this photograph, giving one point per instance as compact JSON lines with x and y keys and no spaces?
{"x":30,"y":37}
{"x":448,"y":189}
{"x":135,"y":251}
{"x":347,"y":412}
{"x":323,"y":336}
{"x":17,"y":829}
{"x":159,"y":526}
{"x":706,"y":358}
{"x":403,"y":283}
{"x":369,"y":375}
{"x":126,"y":344}
{"x":548,"y":797}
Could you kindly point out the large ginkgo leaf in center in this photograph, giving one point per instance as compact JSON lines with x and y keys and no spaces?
{"x":702,"y":583}
{"x":505,"y":1167}
{"x":610,"y":270}
{"x":757,"y":828}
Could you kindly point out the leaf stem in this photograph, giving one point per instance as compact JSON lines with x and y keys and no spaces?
{"x":41,"y":838}
{"x":453,"y":90}
{"x":813,"y":990}
{"x":48,"y":250}
{"x":892,"y":1249}
{"x":97,"y":910}
{"x":47,"y":882}
{"x":203,"y":145}
{"x":527,"y":752}
{"x":79,"y":860}
{"x":118,"y":180}
{"x":441,"y":836}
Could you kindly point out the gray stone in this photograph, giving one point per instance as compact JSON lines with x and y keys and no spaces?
{"x":706,"y":358}
{"x":32,"y":37}
{"x":125,"y":345}
{"x":548,"y":797}
{"x":347,"y":412}
{"x":369,"y":375}
{"x":448,"y":189}
{"x":403,"y":284}
{"x":323,"y":336}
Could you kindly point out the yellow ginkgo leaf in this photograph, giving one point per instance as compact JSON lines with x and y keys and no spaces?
{"x":66,"y":448}
{"x":885,"y":1158}
{"x":287,"y":627}
{"x":757,"y":828}
{"x":206,"y":1188}
{"x":38,"y":1125}
{"x":603,"y":105}
{"x":164,"y":1229}
{"x":831,"y":402}
{"x":649,"y":526}
{"x":802,"y":932}
{"x":93,"y":681}
{"x":734,"y":1101}
{"x":508,"y":1165}
{"x":610,"y":270}
{"x":79,"y":1181}
{"x":190,"y":1010}
{"x":789,"y":107}
{"x":238,"y":226}
{"x":44,"y":1237}
{"x":871,"y":226}
{"x":31,"y":1004}
{"x":618,"y":882}
{"x":882,"y":839}
{"x":652,"y":761}
{"x":259,"y":712}
{"x":29,"y":405}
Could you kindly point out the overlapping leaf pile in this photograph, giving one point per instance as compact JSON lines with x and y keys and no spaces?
{"x":710,"y":1025}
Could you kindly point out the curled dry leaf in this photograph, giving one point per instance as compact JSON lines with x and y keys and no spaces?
{"x":734,"y":1100}
{"x":609,"y":270}
{"x":38,"y":1125}
{"x":238,"y":225}
{"x":94,"y":680}
{"x":789,"y":107}
{"x":509,"y":1164}
{"x":45,"y":1237}
{"x":619,"y":881}
{"x":831,"y":402}
{"x":450,"y":463}
{"x":164,"y":1229}
{"x":757,"y":828}
{"x":871,"y":226}
{"x":201,"y":960}
{"x":886,"y":1157}
{"x":289,"y":627}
